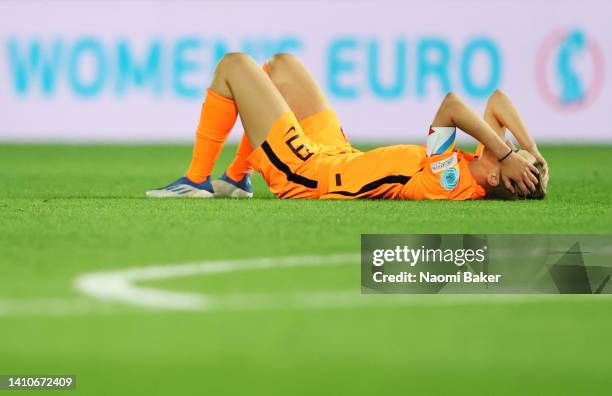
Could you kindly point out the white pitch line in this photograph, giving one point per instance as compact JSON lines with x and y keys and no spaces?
{"x":120,"y":286}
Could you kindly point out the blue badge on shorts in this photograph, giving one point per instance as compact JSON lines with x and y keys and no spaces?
{"x":449,"y":178}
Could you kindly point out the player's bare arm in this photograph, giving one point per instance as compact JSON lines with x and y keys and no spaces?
{"x":453,"y":112}
{"x":501,"y":114}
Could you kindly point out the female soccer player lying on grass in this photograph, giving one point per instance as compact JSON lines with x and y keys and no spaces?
{"x":312,"y":158}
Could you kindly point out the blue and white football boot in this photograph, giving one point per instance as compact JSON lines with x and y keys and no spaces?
{"x":229,"y":188}
{"x":183,"y":187}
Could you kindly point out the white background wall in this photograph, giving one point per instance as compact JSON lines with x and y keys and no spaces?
{"x":136,"y":71}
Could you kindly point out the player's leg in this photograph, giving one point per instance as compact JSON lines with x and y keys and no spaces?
{"x":236,"y":180}
{"x":297,"y":86}
{"x":239,"y":86}
{"x":306,"y":100}
{"x":259,"y":103}
{"x":301,"y":92}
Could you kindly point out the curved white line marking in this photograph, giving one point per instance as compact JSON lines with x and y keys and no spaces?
{"x":119,"y":286}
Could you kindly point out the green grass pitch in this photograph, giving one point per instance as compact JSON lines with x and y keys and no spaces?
{"x":69,"y":210}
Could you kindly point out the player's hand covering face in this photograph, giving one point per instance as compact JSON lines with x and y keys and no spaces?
{"x":516,"y":167}
{"x":539,"y":158}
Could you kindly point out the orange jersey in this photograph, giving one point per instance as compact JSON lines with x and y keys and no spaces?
{"x":313,"y":159}
{"x":403,"y":172}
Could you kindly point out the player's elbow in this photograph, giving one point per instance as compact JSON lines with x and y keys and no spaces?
{"x":451,"y":96}
{"x":451,"y":101}
{"x":498,"y":93}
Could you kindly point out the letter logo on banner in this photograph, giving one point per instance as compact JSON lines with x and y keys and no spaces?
{"x":569,"y":69}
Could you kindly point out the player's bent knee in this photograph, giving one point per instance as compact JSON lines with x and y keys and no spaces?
{"x":280,"y":62}
{"x":234,"y":59}
{"x":279,"y":68}
{"x":282,"y":57}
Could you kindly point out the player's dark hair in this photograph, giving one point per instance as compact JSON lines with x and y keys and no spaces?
{"x":501,"y":192}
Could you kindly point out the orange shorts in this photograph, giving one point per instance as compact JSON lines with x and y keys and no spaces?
{"x":295,"y":157}
{"x":313,"y":159}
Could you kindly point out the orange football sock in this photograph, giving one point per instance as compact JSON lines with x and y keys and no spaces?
{"x":216,"y":121}
{"x":239,"y":166}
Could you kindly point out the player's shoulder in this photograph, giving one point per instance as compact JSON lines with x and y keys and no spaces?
{"x":450,"y":170}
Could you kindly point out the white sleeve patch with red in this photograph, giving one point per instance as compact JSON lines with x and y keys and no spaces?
{"x":441,"y":140}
